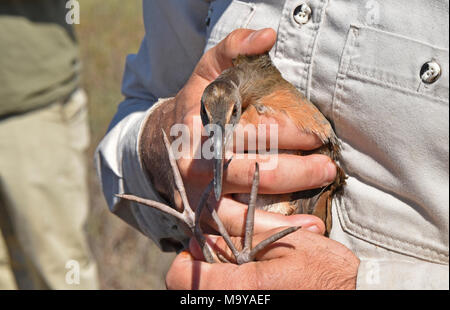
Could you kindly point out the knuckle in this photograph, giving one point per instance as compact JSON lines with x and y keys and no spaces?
{"x":312,"y":172}
{"x":189,"y":119}
{"x":230,"y":39}
{"x":267,"y":177}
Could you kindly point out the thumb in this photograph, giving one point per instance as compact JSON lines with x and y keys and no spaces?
{"x":240,"y":41}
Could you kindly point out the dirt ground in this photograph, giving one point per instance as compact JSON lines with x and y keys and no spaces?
{"x":108,"y":31}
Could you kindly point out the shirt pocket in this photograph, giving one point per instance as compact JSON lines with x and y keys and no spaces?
{"x":394,"y":133}
{"x":224,"y":16}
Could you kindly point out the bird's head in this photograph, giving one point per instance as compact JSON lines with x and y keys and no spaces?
{"x":221,"y":107}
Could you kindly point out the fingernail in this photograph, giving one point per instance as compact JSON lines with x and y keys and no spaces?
{"x":185,"y":255}
{"x":314,"y":229}
{"x":330,"y":173}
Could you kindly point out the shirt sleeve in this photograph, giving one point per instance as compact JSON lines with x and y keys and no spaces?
{"x":173,"y":44}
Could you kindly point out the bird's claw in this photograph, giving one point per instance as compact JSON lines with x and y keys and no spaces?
{"x":192,"y":219}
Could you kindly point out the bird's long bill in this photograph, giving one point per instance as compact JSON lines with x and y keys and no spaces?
{"x":218,"y":142}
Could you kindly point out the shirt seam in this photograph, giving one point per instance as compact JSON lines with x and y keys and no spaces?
{"x":313,"y":48}
{"x":357,"y":72}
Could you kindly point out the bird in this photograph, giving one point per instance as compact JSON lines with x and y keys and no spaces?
{"x":253,"y":86}
{"x":190,"y":219}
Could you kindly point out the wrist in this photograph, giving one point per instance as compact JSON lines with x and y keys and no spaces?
{"x":152,"y":150}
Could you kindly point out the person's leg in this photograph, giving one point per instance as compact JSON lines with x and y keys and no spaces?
{"x":44,"y":174}
{"x":17,"y":268}
{"x":7,"y":281}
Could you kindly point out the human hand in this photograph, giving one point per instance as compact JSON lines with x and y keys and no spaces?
{"x":301,"y":260}
{"x":293,"y":173}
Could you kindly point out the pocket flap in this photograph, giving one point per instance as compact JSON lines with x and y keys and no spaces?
{"x":397,"y":61}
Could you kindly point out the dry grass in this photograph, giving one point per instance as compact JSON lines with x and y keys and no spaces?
{"x":108,"y":31}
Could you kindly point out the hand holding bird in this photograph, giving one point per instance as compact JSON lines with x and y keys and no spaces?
{"x":254,"y":87}
{"x":295,"y":173}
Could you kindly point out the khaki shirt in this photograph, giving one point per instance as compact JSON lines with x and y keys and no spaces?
{"x":366,"y":65}
{"x":39,"y":62}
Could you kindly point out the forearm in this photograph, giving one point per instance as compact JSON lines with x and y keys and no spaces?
{"x":120,"y":169}
{"x":152,"y":150}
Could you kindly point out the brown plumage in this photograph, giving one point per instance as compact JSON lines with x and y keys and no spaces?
{"x":254,"y":86}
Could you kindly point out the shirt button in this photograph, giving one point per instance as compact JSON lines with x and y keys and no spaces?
{"x":430,"y":72}
{"x":302,"y":14}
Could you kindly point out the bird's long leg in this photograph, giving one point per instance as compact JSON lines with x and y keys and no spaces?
{"x":250,"y":220}
{"x":192,"y":219}
{"x":187,"y":210}
{"x":207,"y":252}
{"x":222,"y":230}
{"x":248,"y":253}
{"x":187,"y":216}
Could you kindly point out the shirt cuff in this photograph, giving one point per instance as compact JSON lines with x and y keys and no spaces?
{"x":120,"y":170}
{"x":401,"y":275}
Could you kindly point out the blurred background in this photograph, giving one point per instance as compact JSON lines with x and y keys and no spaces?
{"x":107,"y":33}
{"x":43,"y":139}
